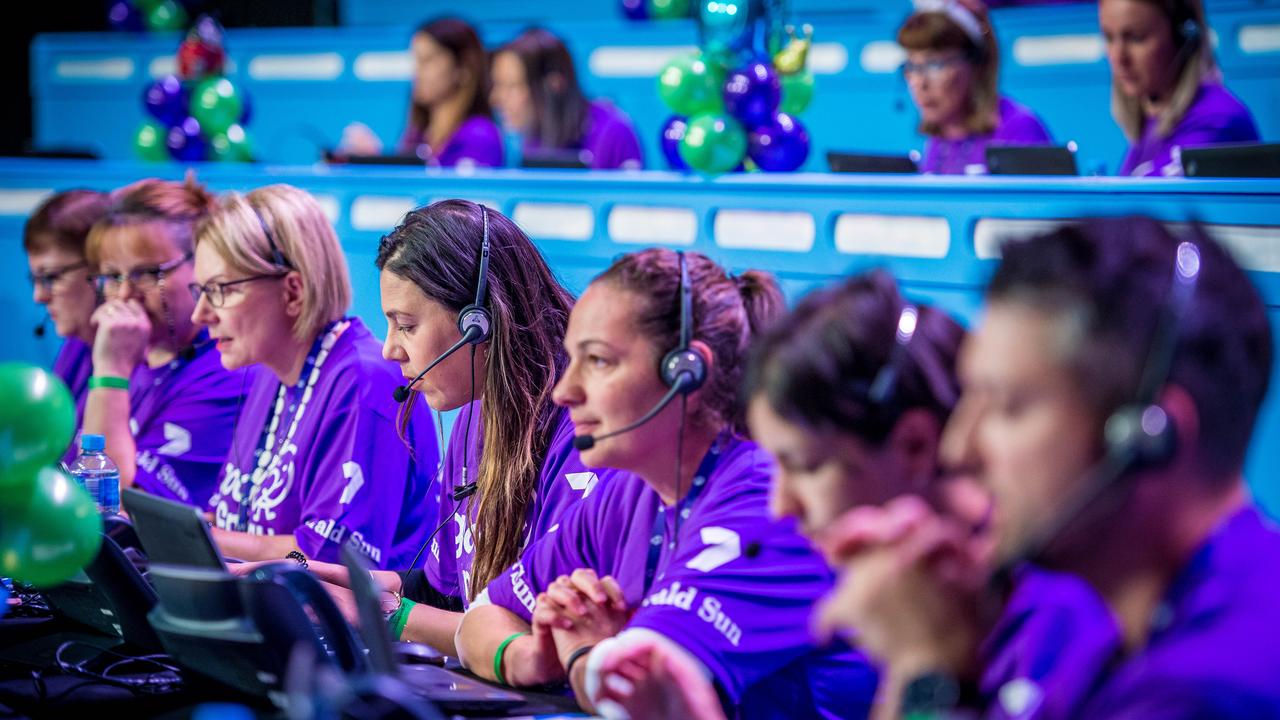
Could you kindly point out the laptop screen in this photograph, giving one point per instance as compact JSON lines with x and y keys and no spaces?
{"x":171,"y":533}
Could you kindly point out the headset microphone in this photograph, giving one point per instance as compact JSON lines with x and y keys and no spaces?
{"x":472,"y":335}
{"x":40,"y":329}
{"x":586,"y":442}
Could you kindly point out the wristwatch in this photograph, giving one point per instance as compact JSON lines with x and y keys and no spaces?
{"x":937,"y":695}
{"x":386,"y":614}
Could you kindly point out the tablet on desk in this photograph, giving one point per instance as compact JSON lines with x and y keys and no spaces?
{"x":1031,"y":160}
{"x":849,"y":162}
{"x":1243,"y":160}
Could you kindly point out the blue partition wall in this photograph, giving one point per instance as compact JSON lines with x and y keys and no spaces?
{"x":308,"y":83}
{"x":940,"y":236}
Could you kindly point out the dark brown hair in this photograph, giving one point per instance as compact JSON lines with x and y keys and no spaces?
{"x":463,"y":44}
{"x":935,"y":31}
{"x":437,"y":248}
{"x":559,"y":107}
{"x":728,"y":311}
{"x":63,"y":221}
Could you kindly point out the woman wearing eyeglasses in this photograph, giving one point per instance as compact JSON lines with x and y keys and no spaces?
{"x":316,"y":460}
{"x":158,"y":391}
{"x":54,"y":239}
{"x":952,"y":71}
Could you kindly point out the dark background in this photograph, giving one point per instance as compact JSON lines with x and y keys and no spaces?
{"x":19,"y":26}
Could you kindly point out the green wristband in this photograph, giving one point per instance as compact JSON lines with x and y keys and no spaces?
{"x":108,"y":381}
{"x":400,"y":618}
{"x":497,"y":657}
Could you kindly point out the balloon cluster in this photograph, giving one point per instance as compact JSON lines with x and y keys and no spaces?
{"x":139,"y":15}
{"x":49,"y":526}
{"x":656,"y":9}
{"x":736,"y":104}
{"x":198,"y":114}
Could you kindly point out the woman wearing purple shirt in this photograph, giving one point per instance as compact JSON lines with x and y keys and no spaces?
{"x":1166,"y":89}
{"x":536,"y":93}
{"x":684,"y":549}
{"x":54,"y":240}
{"x":952,"y":70}
{"x":158,"y":391}
{"x":315,"y":461}
{"x":450,"y":124}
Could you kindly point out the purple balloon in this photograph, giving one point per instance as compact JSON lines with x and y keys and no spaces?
{"x":780,"y":146}
{"x":185,"y":142}
{"x":167,"y":100}
{"x":246,"y":105}
{"x":752,"y":94}
{"x":672,"y":133}
{"x":635,"y":9}
{"x":124,"y":16}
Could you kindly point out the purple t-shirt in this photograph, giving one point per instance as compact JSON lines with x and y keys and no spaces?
{"x":1017,"y":125}
{"x":477,"y":141}
{"x":182,"y":416}
{"x":74,"y":365}
{"x":1052,"y":639}
{"x":1216,"y":116}
{"x":334,"y":470}
{"x":608,"y":137}
{"x":736,"y":590}
{"x":562,"y":482}
{"x":1214,"y":648}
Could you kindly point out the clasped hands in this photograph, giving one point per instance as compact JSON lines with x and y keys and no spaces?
{"x":578,"y":611}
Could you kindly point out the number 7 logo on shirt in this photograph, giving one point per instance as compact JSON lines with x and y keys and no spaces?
{"x":723,"y":545}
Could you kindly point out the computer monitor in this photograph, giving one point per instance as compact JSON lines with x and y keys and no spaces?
{"x":1239,"y":160}
{"x":171,"y":533}
{"x":851,"y":162}
{"x":1031,"y":160}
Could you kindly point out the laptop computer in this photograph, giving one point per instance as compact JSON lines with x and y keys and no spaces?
{"x":335,"y":158}
{"x":1237,"y":160}
{"x":171,"y":533}
{"x":849,"y":162}
{"x":556,"y":159}
{"x":1031,"y":160}
{"x":110,"y":596}
{"x":452,"y":692}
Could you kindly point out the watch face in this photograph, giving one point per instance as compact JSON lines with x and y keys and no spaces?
{"x":930,"y":692}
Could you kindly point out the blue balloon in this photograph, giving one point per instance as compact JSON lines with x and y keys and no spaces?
{"x":752,"y":94}
{"x":726,"y":25}
{"x":246,"y":105}
{"x":635,"y":9}
{"x":166,"y":99}
{"x":780,"y":146}
{"x":185,"y":142}
{"x":123,"y":16}
{"x":672,"y":133}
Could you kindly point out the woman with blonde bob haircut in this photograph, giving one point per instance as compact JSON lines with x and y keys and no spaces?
{"x":315,"y":461}
{"x":1166,"y":89}
{"x":953,"y":71}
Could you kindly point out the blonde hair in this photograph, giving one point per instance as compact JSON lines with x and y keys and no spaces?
{"x":237,"y":231}
{"x":935,"y":30}
{"x":1199,"y":67}
{"x":175,"y":206}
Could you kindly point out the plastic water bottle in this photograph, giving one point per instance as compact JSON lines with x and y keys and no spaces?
{"x":97,"y":474}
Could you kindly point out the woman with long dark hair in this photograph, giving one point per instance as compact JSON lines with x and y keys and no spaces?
{"x":536,"y":94}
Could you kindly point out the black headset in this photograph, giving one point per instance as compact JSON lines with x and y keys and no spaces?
{"x":277,"y":258}
{"x":684,"y":368}
{"x":1187,"y":35}
{"x":476,"y":315}
{"x":1141,"y":430}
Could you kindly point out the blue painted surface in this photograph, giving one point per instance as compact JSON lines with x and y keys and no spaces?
{"x":953,"y":281}
{"x":853,"y":109}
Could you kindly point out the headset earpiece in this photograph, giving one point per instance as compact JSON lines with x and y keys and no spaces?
{"x":1188,"y":35}
{"x":476,"y":315}
{"x":684,"y":364}
{"x":1142,"y":433}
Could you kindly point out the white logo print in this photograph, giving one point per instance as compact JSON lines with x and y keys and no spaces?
{"x":723,"y":545}
{"x":583,"y":481}
{"x":177,"y":440}
{"x":355,"y":480}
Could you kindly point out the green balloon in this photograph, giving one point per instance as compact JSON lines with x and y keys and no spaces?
{"x":713,"y":143}
{"x":231,"y":146}
{"x":668,"y":9}
{"x":37,"y":421}
{"x":50,"y":532}
{"x":797,"y":91}
{"x":216,"y":104}
{"x":163,"y":16}
{"x":149,"y":143}
{"x":690,"y":84}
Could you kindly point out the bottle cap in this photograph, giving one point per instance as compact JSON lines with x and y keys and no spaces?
{"x":92,"y":443}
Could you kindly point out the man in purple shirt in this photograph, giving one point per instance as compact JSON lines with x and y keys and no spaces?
{"x":1165,"y":343}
